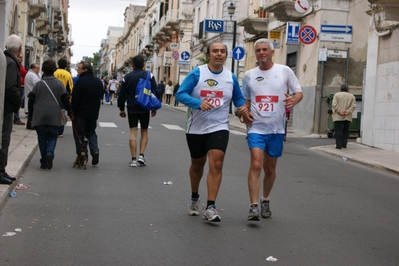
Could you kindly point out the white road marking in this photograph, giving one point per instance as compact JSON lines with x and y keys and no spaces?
{"x":107,"y":124}
{"x":172,"y":127}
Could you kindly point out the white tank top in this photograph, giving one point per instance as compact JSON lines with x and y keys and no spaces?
{"x":218,"y":88}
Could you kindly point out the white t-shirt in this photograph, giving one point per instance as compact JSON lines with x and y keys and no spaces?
{"x":266,"y":90}
{"x":112,"y":84}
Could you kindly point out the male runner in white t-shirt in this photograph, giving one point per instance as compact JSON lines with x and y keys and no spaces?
{"x":208,"y":91}
{"x":265,"y":90}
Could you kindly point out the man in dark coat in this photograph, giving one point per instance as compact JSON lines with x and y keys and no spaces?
{"x":161,"y":90}
{"x":86,"y":101}
{"x":12,"y":101}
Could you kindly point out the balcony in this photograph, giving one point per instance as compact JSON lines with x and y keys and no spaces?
{"x":284,"y":10}
{"x":167,"y":25}
{"x":390,"y":8}
{"x":36,"y":7}
{"x":42,"y":21}
{"x":254,"y":25}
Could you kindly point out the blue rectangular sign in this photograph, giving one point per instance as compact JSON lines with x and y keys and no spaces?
{"x":292,"y":32}
{"x":344,"y":29}
{"x":213,"y":25}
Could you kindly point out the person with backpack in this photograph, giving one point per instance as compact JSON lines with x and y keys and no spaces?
{"x":135,"y":112}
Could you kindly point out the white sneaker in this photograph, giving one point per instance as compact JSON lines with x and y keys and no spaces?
{"x":141,"y":160}
{"x":193,"y":207}
{"x":211,"y":214}
{"x":133,"y":163}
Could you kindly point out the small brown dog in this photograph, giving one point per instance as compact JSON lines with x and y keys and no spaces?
{"x":82,"y":158}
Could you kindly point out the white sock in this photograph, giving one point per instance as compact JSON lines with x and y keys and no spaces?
{"x":265,"y":199}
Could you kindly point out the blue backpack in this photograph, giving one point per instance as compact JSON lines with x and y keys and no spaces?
{"x":145,"y":97}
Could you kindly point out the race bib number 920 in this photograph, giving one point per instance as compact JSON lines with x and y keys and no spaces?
{"x":214,"y":97}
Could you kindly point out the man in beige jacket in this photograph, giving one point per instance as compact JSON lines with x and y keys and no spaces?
{"x":343,"y":105}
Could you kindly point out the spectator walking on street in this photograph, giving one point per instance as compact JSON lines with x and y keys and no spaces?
{"x":343,"y":105}
{"x":45,"y":101}
{"x":23,"y":72}
{"x":208,"y":91}
{"x":86,"y":101}
{"x":66,"y":78}
{"x":31,"y":78}
{"x":12,"y":101}
{"x":168,"y":92}
{"x":135,"y":113}
{"x":175,"y":89}
{"x":161,"y":90}
{"x":265,"y":89}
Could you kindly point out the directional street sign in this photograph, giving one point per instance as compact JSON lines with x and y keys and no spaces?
{"x":185,"y":55}
{"x":336,"y":29}
{"x":292,"y":32}
{"x":335,"y":33}
{"x":238,"y":53}
{"x":307,"y":34}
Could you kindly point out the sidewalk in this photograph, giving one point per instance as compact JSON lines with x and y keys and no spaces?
{"x":24,"y":144}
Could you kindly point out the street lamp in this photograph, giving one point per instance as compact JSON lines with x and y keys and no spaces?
{"x":181,"y":36}
{"x":231,"y":9}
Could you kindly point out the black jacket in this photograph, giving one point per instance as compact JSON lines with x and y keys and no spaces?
{"x":86,"y":96}
{"x":12,"y":97}
{"x":127,"y":91}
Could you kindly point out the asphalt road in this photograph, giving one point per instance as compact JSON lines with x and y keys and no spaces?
{"x":325,"y":211}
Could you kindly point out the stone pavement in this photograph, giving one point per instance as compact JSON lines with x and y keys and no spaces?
{"x":24,"y":145}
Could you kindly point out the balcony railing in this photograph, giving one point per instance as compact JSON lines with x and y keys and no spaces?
{"x":168,"y":21}
{"x":36,"y":7}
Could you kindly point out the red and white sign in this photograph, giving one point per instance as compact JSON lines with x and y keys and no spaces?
{"x":175,"y":54}
{"x":307,"y":34}
{"x":302,"y":6}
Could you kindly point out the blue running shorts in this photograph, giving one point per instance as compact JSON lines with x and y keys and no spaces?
{"x":270,"y":143}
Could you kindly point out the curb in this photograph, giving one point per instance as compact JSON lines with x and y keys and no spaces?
{"x":20,"y":156}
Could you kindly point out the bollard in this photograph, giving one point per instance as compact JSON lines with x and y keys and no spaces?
{"x":3,"y":70}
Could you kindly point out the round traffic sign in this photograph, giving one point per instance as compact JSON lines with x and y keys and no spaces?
{"x":185,"y":55}
{"x":238,"y":53}
{"x":301,"y":6}
{"x":175,"y":54}
{"x":307,"y":34}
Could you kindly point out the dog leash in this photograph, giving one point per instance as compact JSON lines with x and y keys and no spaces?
{"x":76,"y":132}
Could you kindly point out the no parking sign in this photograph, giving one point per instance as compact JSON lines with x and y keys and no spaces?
{"x":307,"y":34}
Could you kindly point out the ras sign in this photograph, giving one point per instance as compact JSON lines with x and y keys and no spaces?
{"x":213,"y":25}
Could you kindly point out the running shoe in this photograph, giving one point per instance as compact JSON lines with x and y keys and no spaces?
{"x":133,"y":163}
{"x":141,"y":160}
{"x":265,"y":210}
{"x":211,"y":214}
{"x":254,"y":213}
{"x":193,"y":207}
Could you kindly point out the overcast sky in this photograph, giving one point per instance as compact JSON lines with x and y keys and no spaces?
{"x":90,"y":20}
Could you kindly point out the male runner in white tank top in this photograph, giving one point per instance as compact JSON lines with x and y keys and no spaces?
{"x":208,"y":91}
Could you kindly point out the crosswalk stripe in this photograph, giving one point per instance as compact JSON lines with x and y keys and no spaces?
{"x":107,"y":124}
{"x":172,"y":127}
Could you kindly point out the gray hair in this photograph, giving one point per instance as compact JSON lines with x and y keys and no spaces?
{"x":13,"y":43}
{"x":264,"y":40}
